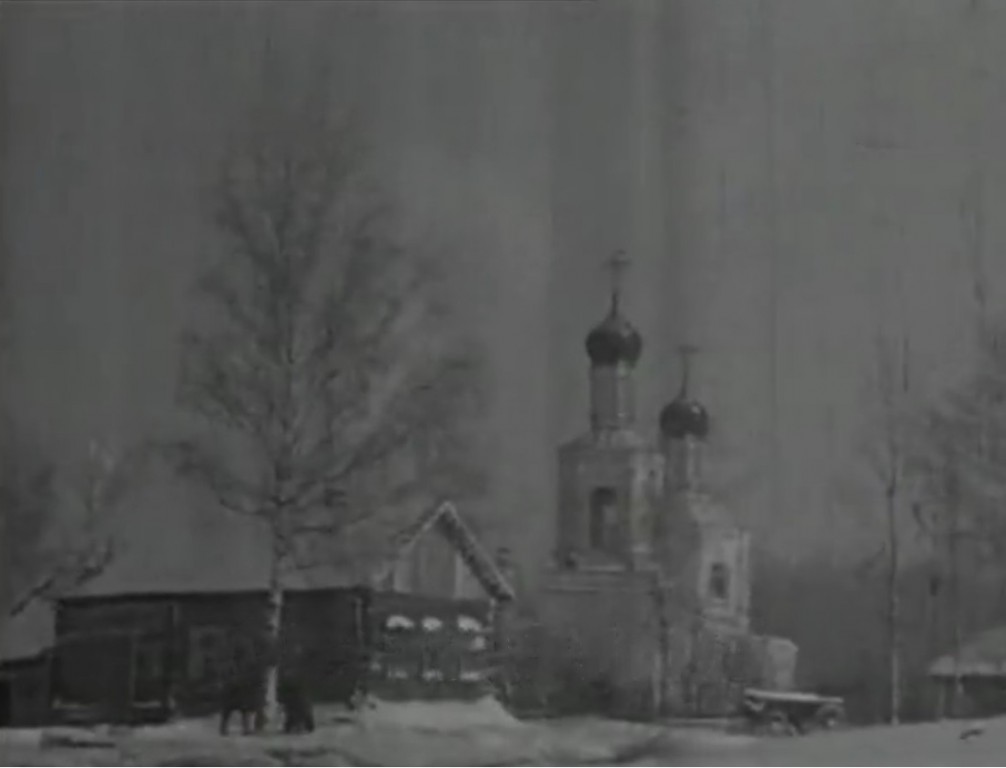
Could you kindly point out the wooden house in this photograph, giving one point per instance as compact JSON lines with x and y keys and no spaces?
{"x":400,"y":612}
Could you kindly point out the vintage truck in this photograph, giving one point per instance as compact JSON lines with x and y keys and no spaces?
{"x":788,"y":713}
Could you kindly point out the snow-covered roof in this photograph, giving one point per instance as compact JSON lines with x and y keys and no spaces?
{"x":362,"y":556}
{"x":982,"y":655}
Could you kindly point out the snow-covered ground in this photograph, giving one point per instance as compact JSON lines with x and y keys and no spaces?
{"x":443,"y":734}
{"x":484,"y":734}
{"x":922,"y":744}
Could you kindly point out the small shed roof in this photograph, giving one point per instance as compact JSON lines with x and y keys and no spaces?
{"x":982,"y":655}
{"x":363,"y":555}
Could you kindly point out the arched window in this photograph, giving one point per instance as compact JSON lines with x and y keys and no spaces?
{"x":602,"y":518}
{"x":719,"y":581}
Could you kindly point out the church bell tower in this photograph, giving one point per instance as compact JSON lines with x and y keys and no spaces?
{"x":609,"y":477}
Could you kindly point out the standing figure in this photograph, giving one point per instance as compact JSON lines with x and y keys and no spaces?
{"x":298,"y":711}
{"x":294,"y":694}
{"x":242,"y":691}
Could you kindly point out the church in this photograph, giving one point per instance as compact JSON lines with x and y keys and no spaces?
{"x":649,"y":593}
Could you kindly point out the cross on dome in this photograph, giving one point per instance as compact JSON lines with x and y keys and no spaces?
{"x":616,"y":265}
{"x":686,"y":352}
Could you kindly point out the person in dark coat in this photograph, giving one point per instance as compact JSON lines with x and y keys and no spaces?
{"x":242,"y":691}
{"x":295,"y":700}
{"x":294,"y":694}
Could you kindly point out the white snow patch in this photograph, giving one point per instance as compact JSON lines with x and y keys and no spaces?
{"x":441,"y":716}
{"x":469,"y":624}
{"x":194,"y":729}
{"x":432,"y":624}
{"x":399,"y":622}
{"x":26,"y":737}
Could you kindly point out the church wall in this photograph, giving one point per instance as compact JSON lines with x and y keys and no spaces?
{"x":707,"y":669}
{"x":647,"y":487}
{"x":709,"y":666}
{"x":603,"y":630}
{"x":779,"y":657}
{"x":725,"y":548}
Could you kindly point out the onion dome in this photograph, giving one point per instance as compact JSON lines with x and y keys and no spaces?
{"x":684,"y":416}
{"x":615,"y":340}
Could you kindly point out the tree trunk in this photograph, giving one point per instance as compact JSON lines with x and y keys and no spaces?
{"x":895,"y":670}
{"x":955,"y":615}
{"x":893,"y":608}
{"x":950,"y":532}
{"x":935,"y":623}
{"x":274,"y":615}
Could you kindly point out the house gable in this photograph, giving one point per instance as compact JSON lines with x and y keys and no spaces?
{"x":444,"y":559}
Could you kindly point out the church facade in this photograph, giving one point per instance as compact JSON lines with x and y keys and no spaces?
{"x":649,"y":593}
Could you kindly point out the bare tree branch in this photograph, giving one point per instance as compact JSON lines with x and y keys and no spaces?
{"x":87,"y":546}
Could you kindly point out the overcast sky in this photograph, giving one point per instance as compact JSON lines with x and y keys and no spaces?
{"x":788,"y":176}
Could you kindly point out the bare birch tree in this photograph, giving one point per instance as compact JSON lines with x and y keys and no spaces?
{"x":327,"y":376}
{"x":887,"y":447}
{"x":957,"y":480}
{"x":941,"y":517}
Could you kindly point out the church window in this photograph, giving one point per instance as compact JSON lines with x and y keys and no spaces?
{"x":602,"y":518}
{"x":719,"y":581}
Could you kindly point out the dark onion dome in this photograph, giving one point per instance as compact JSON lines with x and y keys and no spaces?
{"x":614,"y":341}
{"x":682,"y":418}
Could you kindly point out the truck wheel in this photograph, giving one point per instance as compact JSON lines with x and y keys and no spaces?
{"x":780,"y":725}
{"x":828,"y":718}
{"x":775,"y":724}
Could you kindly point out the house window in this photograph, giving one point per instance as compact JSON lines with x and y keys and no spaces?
{"x":719,"y":581}
{"x":602,"y":518}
